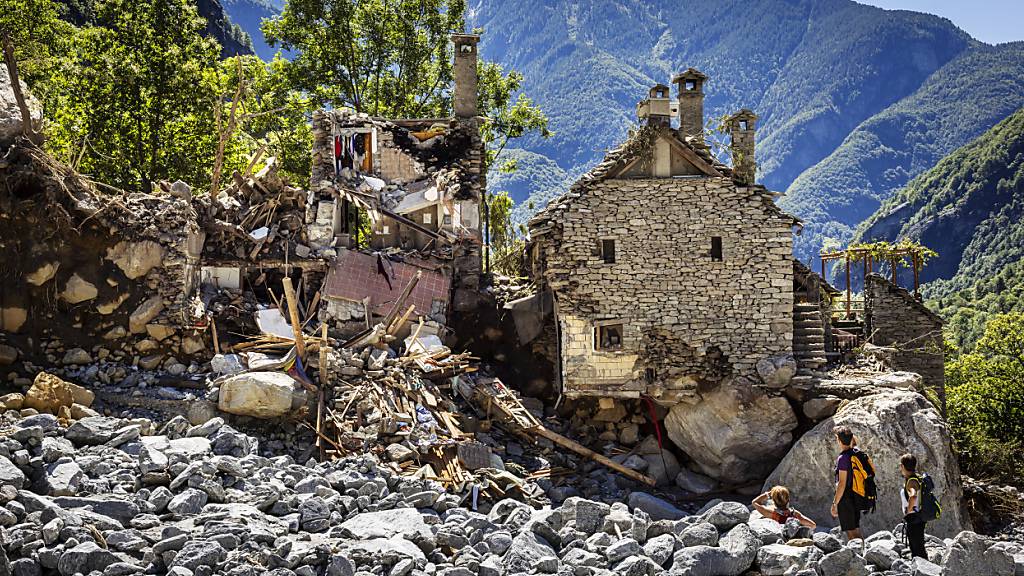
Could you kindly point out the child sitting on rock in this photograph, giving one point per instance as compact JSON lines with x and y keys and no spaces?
{"x":781,"y":512}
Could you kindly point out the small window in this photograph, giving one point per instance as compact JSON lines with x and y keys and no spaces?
{"x":716,"y":248}
{"x":608,"y":250}
{"x":743,"y":125}
{"x":427,"y":218}
{"x":609,"y":337}
{"x":691,"y":85}
{"x":385,"y":230}
{"x":649,"y":375}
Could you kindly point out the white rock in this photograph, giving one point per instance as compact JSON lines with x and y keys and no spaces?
{"x":260,"y":394}
{"x":136,"y":259}
{"x":78,"y":290}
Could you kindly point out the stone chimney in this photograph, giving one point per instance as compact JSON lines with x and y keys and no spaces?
{"x":741,"y":132}
{"x":691,"y":102}
{"x":656,"y":109}
{"x":465,"y":75}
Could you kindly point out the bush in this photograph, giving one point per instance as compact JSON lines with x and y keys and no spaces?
{"x":985,"y":402}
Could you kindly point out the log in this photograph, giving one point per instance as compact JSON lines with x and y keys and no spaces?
{"x":587,"y":452}
{"x":293,"y":312}
{"x":393,"y":313}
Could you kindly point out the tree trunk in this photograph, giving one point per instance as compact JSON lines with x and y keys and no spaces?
{"x":12,"y":70}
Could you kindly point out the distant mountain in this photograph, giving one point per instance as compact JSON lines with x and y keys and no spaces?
{"x":954,"y":105}
{"x":249,"y":14}
{"x":233,"y":39}
{"x":970,"y":209}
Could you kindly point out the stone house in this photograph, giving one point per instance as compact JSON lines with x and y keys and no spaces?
{"x":669,"y":272}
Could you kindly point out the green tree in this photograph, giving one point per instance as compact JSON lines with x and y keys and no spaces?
{"x":139,"y":104}
{"x":985,"y":401}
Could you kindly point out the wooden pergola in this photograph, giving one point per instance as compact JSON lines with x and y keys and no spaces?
{"x":866,"y":254}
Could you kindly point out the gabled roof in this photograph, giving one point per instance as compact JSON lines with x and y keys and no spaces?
{"x":617,"y":161}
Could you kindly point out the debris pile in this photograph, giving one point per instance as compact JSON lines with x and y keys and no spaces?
{"x":113,"y":497}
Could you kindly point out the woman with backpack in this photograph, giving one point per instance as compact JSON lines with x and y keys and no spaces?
{"x":781,"y":511}
{"x":919,"y":504}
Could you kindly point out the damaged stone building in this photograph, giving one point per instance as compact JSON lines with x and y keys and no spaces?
{"x":669,"y":271}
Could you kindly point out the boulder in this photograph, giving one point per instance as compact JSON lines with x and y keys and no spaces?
{"x":12,"y":319}
{"x":820,"y":408}
{"x":695,"y":482}
{"x":93,"y":430}
{"x":971,"y":553}
{"x":199,"y":553}
{"x":85,"y":558}
{"x":776,"y":559}
{"x":406,"y":522}
{"x":63,"y":478}
{"x":10,"y":475}
{"x":777,"y":371}
{"x":8,"y":354}
{"x":260,"y":394}
{"x":43,"y":274}
{"x":136,"y":259}
{"x":526,"y":550}
{"x":49,"y":393}
{"x":733,"y":556}
{"x":735,"y":433}
{"x":887,"y":425}
{"x":144,"y":313}
{"x":78,"y":290}
{"x":842,"y":562}
{"x":655,"y":507}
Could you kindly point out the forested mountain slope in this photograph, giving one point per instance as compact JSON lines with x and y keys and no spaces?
{"x":956,"y":104}
{"x":970,"y":209}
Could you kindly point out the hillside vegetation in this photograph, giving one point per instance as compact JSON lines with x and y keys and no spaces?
{"x":954,"y":106}
{"x":969,"y":208}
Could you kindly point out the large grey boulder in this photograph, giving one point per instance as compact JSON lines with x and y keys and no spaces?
{"x":387,"y":523}
{"x":842,"y":562}
{"x":199,"y":553}
{"x":971,"y":553}
{"x":655,"y":507}
{"x":733,"y":556}
{"x":93,"y":430}
{"x":260,"y":395}
{"x":735,"y":433}
{"x":887,"y":425}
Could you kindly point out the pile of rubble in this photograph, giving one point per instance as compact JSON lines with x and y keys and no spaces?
{"x":116,"y":497}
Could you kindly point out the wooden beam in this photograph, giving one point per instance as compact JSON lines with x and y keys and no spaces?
{"x":293,"y":312}
{"x":584,"y":451}
{"x":397,"y":306}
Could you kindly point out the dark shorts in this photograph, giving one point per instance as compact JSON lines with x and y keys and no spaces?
{"x":849,"y":515}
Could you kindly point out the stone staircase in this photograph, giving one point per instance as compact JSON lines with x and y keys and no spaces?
{"x":808,"y":343}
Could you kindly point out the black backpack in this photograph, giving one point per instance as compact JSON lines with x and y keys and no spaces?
{"x":928,"y":505}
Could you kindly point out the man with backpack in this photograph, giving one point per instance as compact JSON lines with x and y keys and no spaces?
{"x":855,"y":484}
{"x":919,"y":504}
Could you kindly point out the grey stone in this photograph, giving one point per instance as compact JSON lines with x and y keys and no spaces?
{"x":638,"y":566}
{"x":769,"y":531}
{"x":776,"y":559}
{"x":198,"y":553}
{"x":399,"y":453}
{"x":63,"y":478}
{"x":527,"y":549}
{"x":93,"y":430}
{"x":119,"y":509}
{"x":881,"y":554}
{"x":590,"y":515}
{"x":621,"y":550}
{"x":84,"y":558}
{"x":842,"y":562}
{"x":694,"y":482}
{"x":655,"y":507}
{"x":190,"y":501}
{"x":733,"y":556}
{"x":56,"y":447}
{"x":660,"y":548}
{"x":971,"y":553}
{"x":922,"y":567}
{"x":10,"y":475}
{"x":699,"y":534}
{"x":826,"y":542}
{"x":387,"y":523}
{"x":725,"y":515}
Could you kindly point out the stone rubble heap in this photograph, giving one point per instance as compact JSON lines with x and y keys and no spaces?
{"x":109,"y":497}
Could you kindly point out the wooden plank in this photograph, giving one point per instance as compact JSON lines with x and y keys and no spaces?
{"x":409,"y":287}
{"x":293,"y":312}
{"x":587,"y":452}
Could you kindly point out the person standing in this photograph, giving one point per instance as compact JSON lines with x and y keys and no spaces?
{"x":910,"y":496}
{"x":844,"y":506}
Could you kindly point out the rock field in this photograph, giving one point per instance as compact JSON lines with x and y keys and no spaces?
{"x":117,"y":497}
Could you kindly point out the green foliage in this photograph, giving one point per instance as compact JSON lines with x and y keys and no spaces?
{"x":383,"y":57}
{"x":136,"y":100}
{"x":506,"y":246}
{"x":905,"y":252}
{"x":985,"y":401}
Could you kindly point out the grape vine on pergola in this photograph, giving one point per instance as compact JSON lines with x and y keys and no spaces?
{"x":906,"y":252}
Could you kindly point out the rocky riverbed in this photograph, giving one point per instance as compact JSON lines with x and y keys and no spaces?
{"x":118,"y":497}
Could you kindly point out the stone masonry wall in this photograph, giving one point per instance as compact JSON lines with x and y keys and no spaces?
{"x":689,"y":321}
{"x":894,"y":317}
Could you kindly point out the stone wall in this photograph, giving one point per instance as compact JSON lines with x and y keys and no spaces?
{"x":895,"y":318}
{"x":689,"y":321}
